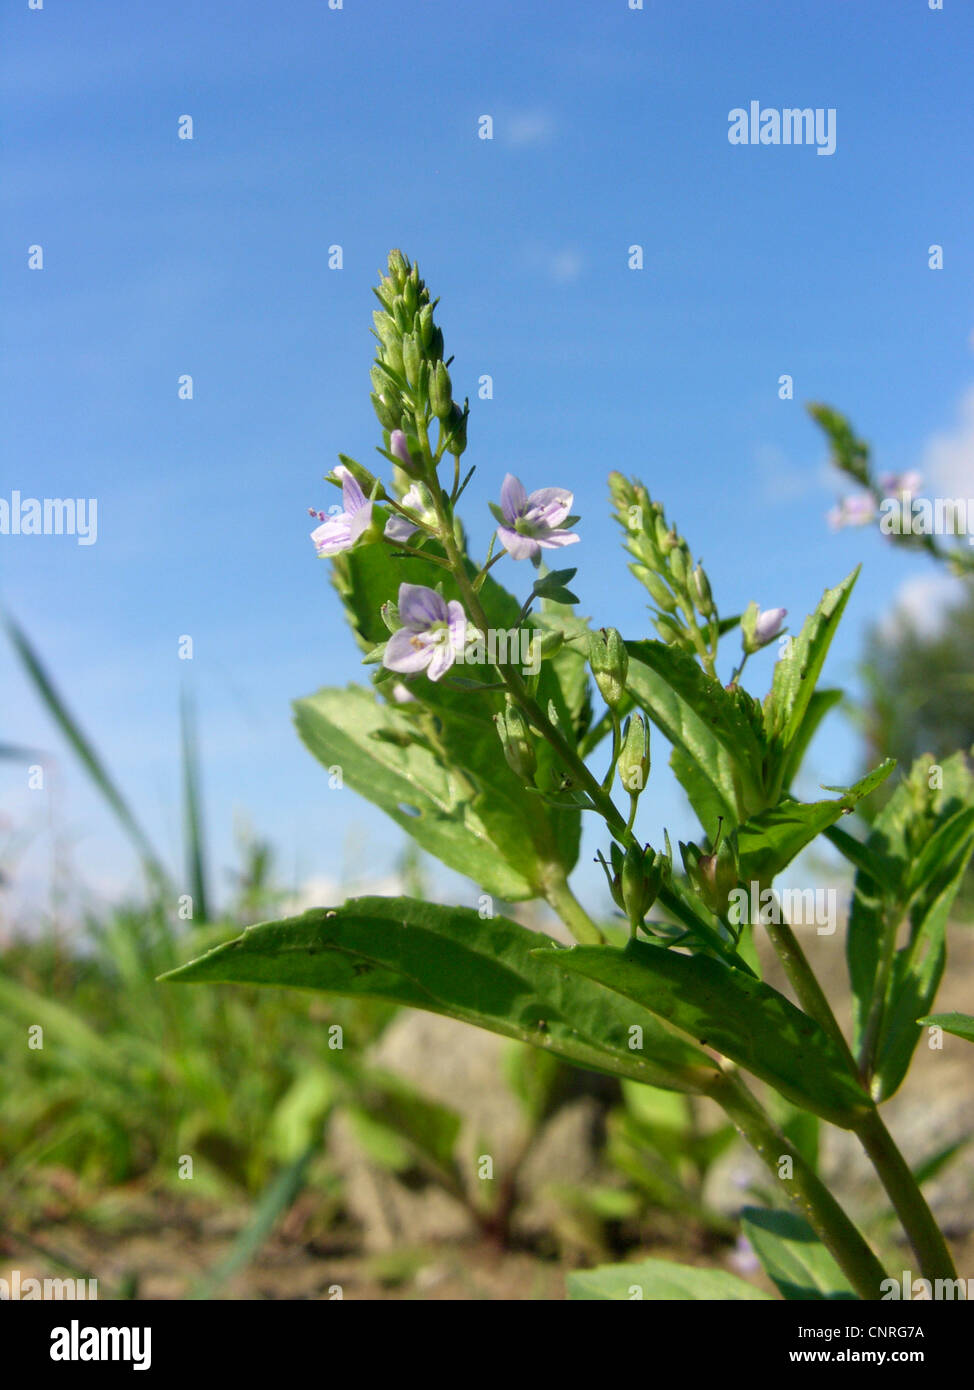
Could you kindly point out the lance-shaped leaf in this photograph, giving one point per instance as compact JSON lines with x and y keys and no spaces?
{"x":476,"y":831}
{"x":769,"y":841}
{"x":451,"y":961}
{"x":706,"y":727}
{"x":735,"y":1014}
{"x":793,"y":1256}
{"x":961,"y":1025}
{"x":661,"y":1280}
{"x":795,"y":678}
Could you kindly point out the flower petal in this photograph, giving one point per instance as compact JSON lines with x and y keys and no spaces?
{"x":549,"y":506}
{"x":333,"y":535}
{"x":360,"y":521}
{"x":517,"y":546}
{"x":352,"y":495}
{"x":398,"y":529}
{"x":514,"y":499}
{"x":456,"y":624}
{"x":405,"y":651}
{"x":553,"y":540}
{"x":442,"y":659}
{"x":420,"y":607}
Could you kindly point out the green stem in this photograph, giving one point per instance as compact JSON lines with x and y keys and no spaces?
{"x":870,"y":1034}
{"x":806,"y":1190}
{"x":810,"y":994}
{"x":908,"y":1201}
{"x":570,"y":910}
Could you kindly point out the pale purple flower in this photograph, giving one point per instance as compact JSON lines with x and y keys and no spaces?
{"x":417,"y":499}
{"x":433,"y":633}
{"x":340,"y":532}
{"x":399,"y":447}
{"x":742,"y":1257}
{"x":531,"y":523}
{"x":401,"y":694}
{"x":858,"y":509}
{"x":767,"y":624}
{"x":896,"y":484}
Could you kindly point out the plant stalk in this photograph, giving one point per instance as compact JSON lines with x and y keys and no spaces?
{"x":908,"y":1201}
{"x":807,"y":1192}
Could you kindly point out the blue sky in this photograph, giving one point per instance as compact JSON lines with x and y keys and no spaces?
{"x":359,"y":127}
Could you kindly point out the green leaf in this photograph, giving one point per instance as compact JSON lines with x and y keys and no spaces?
{"x":769,"y":841}
{"x":699,"y":738}
{"x":793,"y":1256}
{"x":551,"y":584}
{"x":819,"y":705}
{"x":796,"y":675}
{"x":735,"y":1014}
{"x":379,"y":752}
{"x":451,"y":961}
{"x":660,"y":1280}
{"x":961,"y":1025}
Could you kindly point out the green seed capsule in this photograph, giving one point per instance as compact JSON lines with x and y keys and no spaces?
{"x":441,"y":392}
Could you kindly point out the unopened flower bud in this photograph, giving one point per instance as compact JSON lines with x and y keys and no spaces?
{"x":456,"y":428}
{"x":411,"y":357}
{"x":610,"y":665}
{"x":398,"y":268}
{"x":702,"y":596}
{"x":760,"y":626}
{"x":643,"y":872}
{"x":441,"y":392}
{"x":389,"y":416}
{"x":385,"y":328}
{"x":656,"y":587}
{"x":669,"y":629}
{"x":633,"y":763}
{"x":423,"y":326}
{"x":680,"y":565}
{"x":516,"y":742}
{"x":713,"y":875}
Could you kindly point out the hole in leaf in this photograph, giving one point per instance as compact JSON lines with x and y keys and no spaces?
{"x":405,"y":809}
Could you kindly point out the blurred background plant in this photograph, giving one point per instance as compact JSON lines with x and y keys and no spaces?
{"x":111,"y":1084}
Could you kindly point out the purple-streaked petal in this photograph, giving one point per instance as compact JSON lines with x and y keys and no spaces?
{"x":398,"y":529}
{"x":514,"y":499}
{"x":399,"y":446}
{"x":517,"y":546}
{"x":551,"y":540}
{"x":420,"y":607}
{"x":360,"y":521}
{"x":442,"y":659}
{"x":352,"y":495}
{"x":549,"y":506}
{"x":407,"y":651}
{"x":333,"y":536}
{"x":456,"y":624}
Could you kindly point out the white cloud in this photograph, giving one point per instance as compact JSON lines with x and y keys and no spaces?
{"x":922,"y":602}
{"x":948,"y":459}
{"x":565,"y":266}
{"x":526,"y":128}
{"x":780,"y":480}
